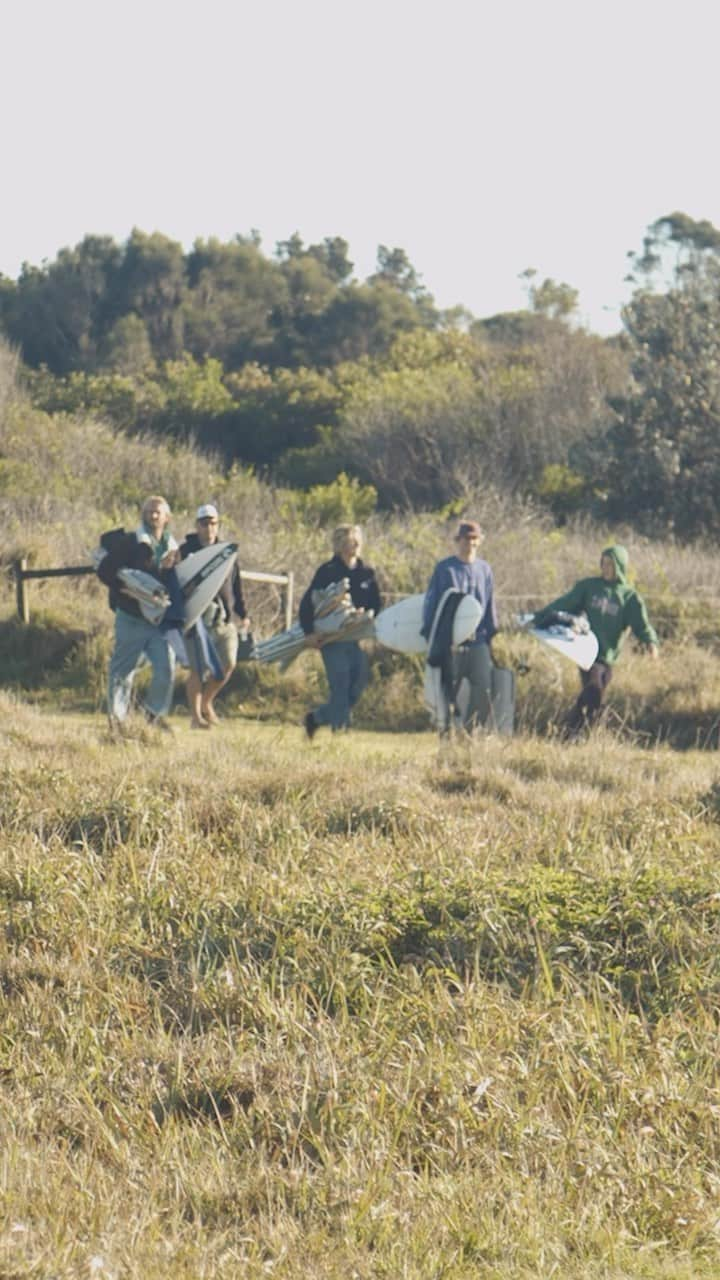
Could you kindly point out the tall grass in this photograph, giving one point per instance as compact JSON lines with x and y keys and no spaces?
{"x":367,"y":1009}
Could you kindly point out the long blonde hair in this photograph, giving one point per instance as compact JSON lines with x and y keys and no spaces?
{"x":155,"y":497}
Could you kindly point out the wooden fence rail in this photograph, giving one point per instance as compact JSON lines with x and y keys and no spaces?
{"x":286,"y":581}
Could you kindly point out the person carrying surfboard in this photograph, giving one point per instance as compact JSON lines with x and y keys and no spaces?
{"x":472,"y":662}
{"x":612,"y":607}
{"x":346,"y":665}
{"x":218,"y":620}
{"x":152,"y":549}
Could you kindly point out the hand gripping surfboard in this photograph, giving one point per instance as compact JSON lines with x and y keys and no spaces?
{"x":149,"y":593}
{"x":580,"y":647}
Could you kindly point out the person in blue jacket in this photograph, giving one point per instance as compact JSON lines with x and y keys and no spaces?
{"x":466,"y":572}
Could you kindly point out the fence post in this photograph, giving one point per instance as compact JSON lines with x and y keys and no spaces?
{"x":21,"y":594}
{"x":287,"y":600}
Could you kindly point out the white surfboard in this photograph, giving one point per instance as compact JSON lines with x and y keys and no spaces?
{"x":201,"y":576}
{"x":149,"y":593}
{"x":579,"y":647}
{"x":502,"y":704}
{"x":399,"y":626}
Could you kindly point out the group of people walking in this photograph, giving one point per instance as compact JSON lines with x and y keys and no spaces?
{"x":611,"y":605}
{"x":151,"y":548}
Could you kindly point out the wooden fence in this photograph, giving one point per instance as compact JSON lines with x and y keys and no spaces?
{"x":23,"y":575}
{"x":286,"y":582}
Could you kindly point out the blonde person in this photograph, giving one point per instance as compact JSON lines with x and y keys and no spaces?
{"x":220,"y":620}
{"x":346,"y":666}
{"x":153,"y":549}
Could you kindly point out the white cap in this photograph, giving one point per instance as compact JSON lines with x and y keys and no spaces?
{"x":207,"y":510}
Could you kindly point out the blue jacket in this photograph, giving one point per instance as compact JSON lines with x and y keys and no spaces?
{"x":473,"y":579}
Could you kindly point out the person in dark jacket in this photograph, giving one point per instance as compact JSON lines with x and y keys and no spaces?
{"x":612,"y":607}
{"x":219,"y":620}
{"x":346,"y":665}
{"x":153,"y":549}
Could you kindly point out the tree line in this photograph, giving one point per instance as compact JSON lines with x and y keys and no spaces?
{"x":289,"y":366}
{"x":108,"y":306}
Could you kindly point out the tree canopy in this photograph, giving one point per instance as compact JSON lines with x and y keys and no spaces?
{"x":103,"y":305}
{"x":289,"y":364}
{"x":659,"y":459}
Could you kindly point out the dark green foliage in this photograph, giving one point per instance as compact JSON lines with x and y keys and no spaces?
{"x":60,"y":313}
{"x":151,"y":283}
{"x":103,"y":306}
{"x":659,"y":460}
{"x":290,"y":365}
{"x":233,"y":293}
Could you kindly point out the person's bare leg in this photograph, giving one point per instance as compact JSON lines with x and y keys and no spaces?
{"x":209,"y":691}
{"x":194,"y":694}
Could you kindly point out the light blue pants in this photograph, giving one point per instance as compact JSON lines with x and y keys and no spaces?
{"x":137,"y":641}
{"x":347,"y":670}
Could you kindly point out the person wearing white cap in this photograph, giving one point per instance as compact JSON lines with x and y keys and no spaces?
{"x":208,"y":514}
{"x":218,"y":619}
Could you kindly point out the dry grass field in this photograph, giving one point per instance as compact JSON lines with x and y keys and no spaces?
{"x":373,"y":1007}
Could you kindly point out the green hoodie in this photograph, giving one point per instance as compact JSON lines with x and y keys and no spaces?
{"x":611,"y":608}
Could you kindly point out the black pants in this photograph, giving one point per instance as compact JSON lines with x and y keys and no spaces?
{"x":589,"y":703}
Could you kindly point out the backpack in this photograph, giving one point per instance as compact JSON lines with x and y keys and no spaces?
{"x":111,"y":539}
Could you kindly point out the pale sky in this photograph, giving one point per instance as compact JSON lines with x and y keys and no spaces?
{"x":481,"y":136}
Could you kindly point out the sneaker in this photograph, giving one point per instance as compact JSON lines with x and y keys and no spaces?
{"x":311,"y":726}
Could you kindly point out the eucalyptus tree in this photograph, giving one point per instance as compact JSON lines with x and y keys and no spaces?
{"x":660,"y":457}
{"x":58,"y":313}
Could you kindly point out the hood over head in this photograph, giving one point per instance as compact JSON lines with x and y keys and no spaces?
{"x":620,"y":558}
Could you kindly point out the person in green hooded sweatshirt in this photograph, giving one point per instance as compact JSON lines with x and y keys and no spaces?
{"x":612,"y":607}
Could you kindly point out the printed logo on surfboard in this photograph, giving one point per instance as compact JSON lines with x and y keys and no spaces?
{"x":201,"y":576}
{"x":223,"y":552}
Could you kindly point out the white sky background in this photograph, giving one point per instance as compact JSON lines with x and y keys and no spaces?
{"x":481,"y":136}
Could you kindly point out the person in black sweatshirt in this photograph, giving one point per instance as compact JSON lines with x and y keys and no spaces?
{"x":346,"y":666}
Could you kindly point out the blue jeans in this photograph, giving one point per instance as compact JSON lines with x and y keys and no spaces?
{"x":346,"y":667}
{"x":136,"y":641}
